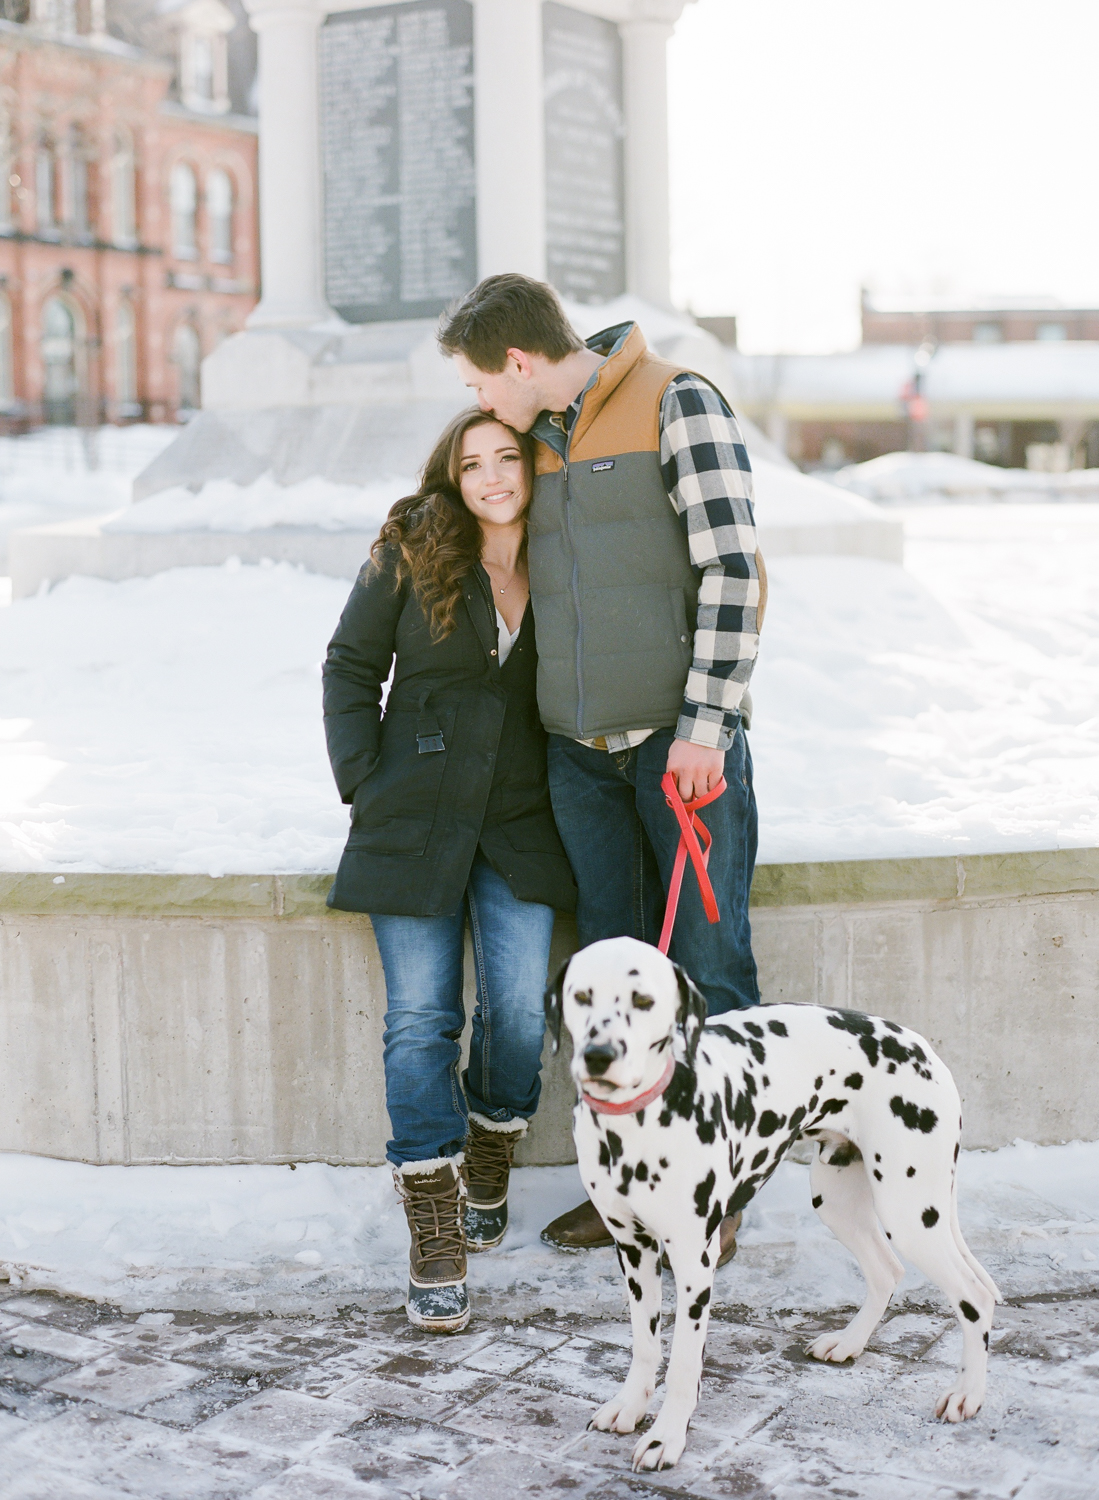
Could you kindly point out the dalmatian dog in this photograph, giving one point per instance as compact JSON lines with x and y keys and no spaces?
{"x":681,"y":1121}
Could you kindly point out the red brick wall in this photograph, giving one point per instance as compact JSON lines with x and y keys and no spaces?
{"x":49,"y":87}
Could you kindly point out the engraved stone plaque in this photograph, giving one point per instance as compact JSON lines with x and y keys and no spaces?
{"x":585,"y":212}
{"x":396,"y":87}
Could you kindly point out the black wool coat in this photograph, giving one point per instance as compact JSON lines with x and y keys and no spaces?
{"x":457,"y":761}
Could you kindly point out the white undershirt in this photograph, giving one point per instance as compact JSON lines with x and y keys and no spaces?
{"x":505,"y":638}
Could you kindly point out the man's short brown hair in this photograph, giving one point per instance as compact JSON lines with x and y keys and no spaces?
{"x":507,"y":312}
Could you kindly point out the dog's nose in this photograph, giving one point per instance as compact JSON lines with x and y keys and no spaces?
{"x":598,"y":1058}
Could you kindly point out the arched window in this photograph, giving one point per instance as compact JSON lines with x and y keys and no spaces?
{"x":125,"y":380}
{"x":187,"y":356}
{"x":219,"y":215}
{"x":59,"y":358}
{"x":6,"y":168}
{"x":45,"y":186}
{"x":7,"y":369}
{"x":76,"y":204}
{"x":183,"y":193}
{"x":123,"y":194}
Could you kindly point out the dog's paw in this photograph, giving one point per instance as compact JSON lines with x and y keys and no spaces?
{"x":661,"y":1447}
{"x":956,"y":1406}
{"x":622,"y":1414}
{"x":835,"y":1347}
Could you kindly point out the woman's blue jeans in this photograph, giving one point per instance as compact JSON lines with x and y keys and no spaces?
{"x":422,"y":958}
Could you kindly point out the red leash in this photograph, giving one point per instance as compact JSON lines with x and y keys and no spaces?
{"x":691,"y":830}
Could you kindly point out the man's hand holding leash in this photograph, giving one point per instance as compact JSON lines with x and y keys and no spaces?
{"x":696,"y":768}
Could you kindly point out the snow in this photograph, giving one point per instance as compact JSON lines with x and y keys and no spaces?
{"x":255,"y":1238}
{"x":49,"y":476}
{"x":169,"y":723}
{"x":222,"y":505}
{"x":948,"y":707}
{"x":173,"y":723}
{"x":935,"y":477}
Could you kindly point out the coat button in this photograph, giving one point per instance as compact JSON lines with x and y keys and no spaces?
{"x":684,"y":639}
{"x":492,"y":653}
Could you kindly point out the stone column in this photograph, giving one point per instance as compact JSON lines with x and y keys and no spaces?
{"x":289,"y":165}
{"x":648,"y":240}
{"x":963,"y":434}
{"x":510,"y":143}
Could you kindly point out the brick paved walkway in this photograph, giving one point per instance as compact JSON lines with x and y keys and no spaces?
{"x":95,"y":1404}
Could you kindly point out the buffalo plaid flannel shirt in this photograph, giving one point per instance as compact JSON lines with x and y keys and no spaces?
{"x":709,"y":481}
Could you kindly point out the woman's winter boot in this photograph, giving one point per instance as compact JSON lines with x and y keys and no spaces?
{"x":486,"y":1169}
{"x":432,"y":1193}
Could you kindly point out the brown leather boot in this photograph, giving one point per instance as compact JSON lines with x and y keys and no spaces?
{"x":580,"y":1229}
{"x":432,"y":1193}
{"x":486,"y":1171}
{"x":727,"y":1233}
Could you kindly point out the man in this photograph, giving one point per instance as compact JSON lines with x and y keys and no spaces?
{"x":648,"y":592}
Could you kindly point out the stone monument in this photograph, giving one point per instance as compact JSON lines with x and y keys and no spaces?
{"x":407,"y":149}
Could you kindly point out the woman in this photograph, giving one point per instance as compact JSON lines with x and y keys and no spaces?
{"x":451,"y":825}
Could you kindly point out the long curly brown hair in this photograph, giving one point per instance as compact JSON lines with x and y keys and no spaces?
{"x":430,"y":537}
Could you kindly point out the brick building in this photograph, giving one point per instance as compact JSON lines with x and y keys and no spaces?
{"x":1002,"y":320}
{"x":128,"y":226}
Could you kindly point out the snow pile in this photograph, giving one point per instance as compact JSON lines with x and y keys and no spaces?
{"x":173,"y":723}
{"x":222,"y":505}
{"x":934,"y":477}
{"x":169,"y":723}
{"x":259,"y":1237}
{"x":947,"y":707}
{"x":47,"y":476}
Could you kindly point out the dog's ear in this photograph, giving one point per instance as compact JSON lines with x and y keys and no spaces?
{"x":691,"y":1015}
{"x":552,"y":1001}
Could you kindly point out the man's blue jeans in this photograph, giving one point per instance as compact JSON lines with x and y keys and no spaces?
{"x":422,"y":959}
{"x":621,"y":837}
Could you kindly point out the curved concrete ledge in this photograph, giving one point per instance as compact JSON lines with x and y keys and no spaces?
{"x":188,"y":1018}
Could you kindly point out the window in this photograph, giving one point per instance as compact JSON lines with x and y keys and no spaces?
{"x":187,"y":357}
{"x":45,"y":186}
{"x":123,"y":193}
{"x":125,"y":382}
{"x":1051,"y":332}
{"x":184,"y":198}
{"x":202,"y":68}
{"x":987,"y":333}
{"x":76,"y":206}
{"x":219,"y":214}
{"x":59,"y":349}
{"x":6,"y":170}
{"x":204,"y":64}
{"x":7,"y":370}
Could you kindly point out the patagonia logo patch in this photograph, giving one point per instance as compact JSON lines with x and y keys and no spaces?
{"x":604,"y":463}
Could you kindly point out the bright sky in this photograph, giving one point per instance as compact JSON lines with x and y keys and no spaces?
{"x":945,"y":145}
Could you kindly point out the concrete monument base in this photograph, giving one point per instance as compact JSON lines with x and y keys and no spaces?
{"x":180,"y":1018}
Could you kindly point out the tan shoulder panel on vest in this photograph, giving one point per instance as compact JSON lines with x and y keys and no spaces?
{"x":546,"y":459}
{"x":629,"y":420}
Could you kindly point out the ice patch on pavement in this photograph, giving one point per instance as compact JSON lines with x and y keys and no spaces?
{"x":269,"y":1238}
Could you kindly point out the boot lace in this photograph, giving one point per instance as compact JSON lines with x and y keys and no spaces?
{"x":488,"y":1163}
{"x":436,"y":1220}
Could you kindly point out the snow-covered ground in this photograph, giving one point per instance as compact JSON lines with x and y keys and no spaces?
{"x":949,"y":707}
{"x":58,"y":473}
{"x":260,"y":1238}
{"x":173,"y":723}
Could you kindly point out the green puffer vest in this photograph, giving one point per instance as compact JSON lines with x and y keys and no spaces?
{"x":611,"y":581}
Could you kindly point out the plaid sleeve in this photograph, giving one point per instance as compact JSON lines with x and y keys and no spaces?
{"x":709,"y":481}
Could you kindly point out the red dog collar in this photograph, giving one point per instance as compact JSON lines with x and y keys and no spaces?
{"x":631,"y":1106}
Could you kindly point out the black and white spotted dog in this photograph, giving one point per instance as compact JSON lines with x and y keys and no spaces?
{"x":681,"y":1121}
